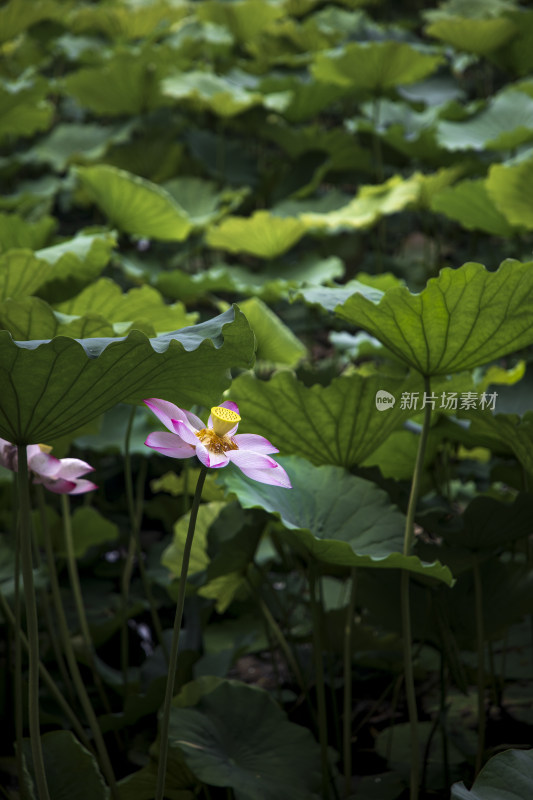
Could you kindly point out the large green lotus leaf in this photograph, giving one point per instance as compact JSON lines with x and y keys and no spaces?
{"x":244,"y":18}
{"x":339,"y":518}
{"x":506,"y":776}
{"x":202,"y":201}
{"x":275,"y":340}
{"x":462,"y":319}
{"x":470,"y":204}
{"x":220,"y":95}
{"x":510,"y":190}
{"x":271,"y":284}
{"x":123,"y":20}
{"x":32,"y":318}
{"x":82,"y":779}
{"x":376,"y":66}
{"x":336,"y":424}
{"x":134,"y":204}
{"x":509,"y":430}
{"x":23,"y":108}
{"x":172,"y":556}
{"x":23,"y":272}
{"x":237,"y":736}
{"x":105,"y":298}
{"x":71,"y":141}
{"x":505,"y":124}
{"x":262,"y":234}
{"x":479,"y":36}
{"x":127,"y":83}
{"x":52,"y":388}
{"x":16,"y":232}
{"x":371,"y":203}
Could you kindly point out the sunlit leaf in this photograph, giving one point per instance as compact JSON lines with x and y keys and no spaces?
{"x":371,"y":203}
{"x":262,"y":234}
{"x":220,"y":95}
{"x":462,"y":319}
{"x":105,"y":298}
{"x":134,"y":204}
{"x":470,"y":204}
{"x":275,"y":340}
{"x":510,"y":190}
{"x":16,"y":232}
{"x":54,"y":387}
{"x":339,"y":518}
{"x":480,"y":36}
{"x":374,"y":65}
{"x":23,"y":272}
{"x":32,"y":318}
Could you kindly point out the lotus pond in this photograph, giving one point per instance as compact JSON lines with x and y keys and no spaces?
{"x":266,"y":400}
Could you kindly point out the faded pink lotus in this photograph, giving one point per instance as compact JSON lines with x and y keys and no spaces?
{"x":59,"y":475}
{"x":216,"y":444}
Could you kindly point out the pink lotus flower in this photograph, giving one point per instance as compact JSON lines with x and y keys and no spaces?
{"x":216,"y":445}
{"x":59,"y":475}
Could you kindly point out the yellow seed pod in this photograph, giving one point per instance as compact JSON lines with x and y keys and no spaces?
{"x":45,"y":448}
{"x":224,"y":419}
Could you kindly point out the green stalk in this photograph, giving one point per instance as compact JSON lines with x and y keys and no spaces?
{"x":406,"y":607}
{"x":347,"y":713}
{"x":480,"y":635}
{"x":78,"y":598}
{"x":79,"y":685}
{"x":19,"y":708}
{"x":279,"y":635}
{"x":33,"y":625}
{"x":47,"y":678}
{"x":134,"y":548}
{"x":320,"y":688}
{"x":174,"y":648}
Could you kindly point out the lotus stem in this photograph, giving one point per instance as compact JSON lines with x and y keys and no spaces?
{"x":174,"y":648}
{"x":79,"y":685}
{"x":480,"y":636}
{"x":134,"y":548}
{"x":319,"y":672}
{"x":347,"y":713}
{"x":406,"y":606}
{"x":32,"y":624}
